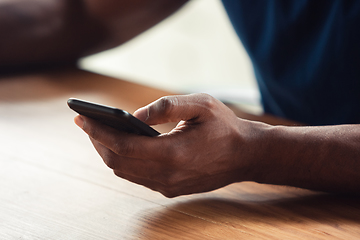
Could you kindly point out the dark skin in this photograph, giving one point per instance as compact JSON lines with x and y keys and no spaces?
{"x":210,"y":147}
{"x":45,"y":32}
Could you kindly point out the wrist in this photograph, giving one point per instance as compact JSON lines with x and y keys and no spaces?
{"x":271,"y":153}
{"x":270,"y":165}
{"x":282,"y":158}
{"x":255,"y":144}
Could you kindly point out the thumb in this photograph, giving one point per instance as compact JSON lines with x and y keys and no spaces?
{"x":176,"y":108}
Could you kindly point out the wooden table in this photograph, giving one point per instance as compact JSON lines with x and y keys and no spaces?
{"x":53,"y":185}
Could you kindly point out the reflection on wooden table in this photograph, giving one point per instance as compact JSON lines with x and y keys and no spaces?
{"x":54,"y":185}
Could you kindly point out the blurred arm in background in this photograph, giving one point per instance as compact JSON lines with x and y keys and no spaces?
{"x":54,"y":32}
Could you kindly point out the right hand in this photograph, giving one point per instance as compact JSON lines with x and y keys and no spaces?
{"x":208,"y":149}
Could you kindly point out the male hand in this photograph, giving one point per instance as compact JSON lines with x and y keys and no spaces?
{"x":208,"y":149}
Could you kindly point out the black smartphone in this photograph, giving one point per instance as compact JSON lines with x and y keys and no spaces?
{"x":113,"y":117}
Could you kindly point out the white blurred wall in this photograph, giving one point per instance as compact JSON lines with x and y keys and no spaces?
{"x":195,"y":50}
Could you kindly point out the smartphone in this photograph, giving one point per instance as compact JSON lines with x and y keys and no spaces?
{"x":113,"y":117}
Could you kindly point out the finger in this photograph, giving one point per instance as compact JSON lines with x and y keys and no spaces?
{"x":138,"y":168}
{"x":109,"y":157}
{"x":121,"y":143}
{"x":176,"y":108}
{"x":155,"y":186}
{"x":113,"y":162}
{"x":164,"y":189}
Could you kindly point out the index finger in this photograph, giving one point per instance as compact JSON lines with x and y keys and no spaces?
{"x":122,"y":143}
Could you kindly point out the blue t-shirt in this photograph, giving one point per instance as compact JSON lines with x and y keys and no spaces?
{"x":305,"y":54}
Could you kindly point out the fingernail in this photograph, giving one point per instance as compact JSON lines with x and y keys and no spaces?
{"x":79,"y":121}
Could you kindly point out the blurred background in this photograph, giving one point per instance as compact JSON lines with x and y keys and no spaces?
{"x":195,"y":50}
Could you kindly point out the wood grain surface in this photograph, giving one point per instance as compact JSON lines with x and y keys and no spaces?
{"x":53,"y":185}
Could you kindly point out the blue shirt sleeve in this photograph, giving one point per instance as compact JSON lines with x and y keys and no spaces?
{"x":305,"y":54}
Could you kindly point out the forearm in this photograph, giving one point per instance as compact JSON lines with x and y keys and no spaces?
{"x":44,"y":32}
{"x":319,"y":158}
{"x":211,"y":147}
{"x":54,"y":31}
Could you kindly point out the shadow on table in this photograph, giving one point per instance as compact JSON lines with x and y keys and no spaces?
{"x":317,"y":215}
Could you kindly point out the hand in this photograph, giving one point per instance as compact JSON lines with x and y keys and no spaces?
{"x":208,"y":149}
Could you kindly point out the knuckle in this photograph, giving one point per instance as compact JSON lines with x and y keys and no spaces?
{"x":166,"y":105}
{"x":169,"y":193}
{"x":209,"y":101}
{"x":110,"y":160}
{"x":170,"y":181}
{"x":167,"y":180}
{"x":123,"y":149}
{"x":91,"y":131}
{"x":118,"y":174}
